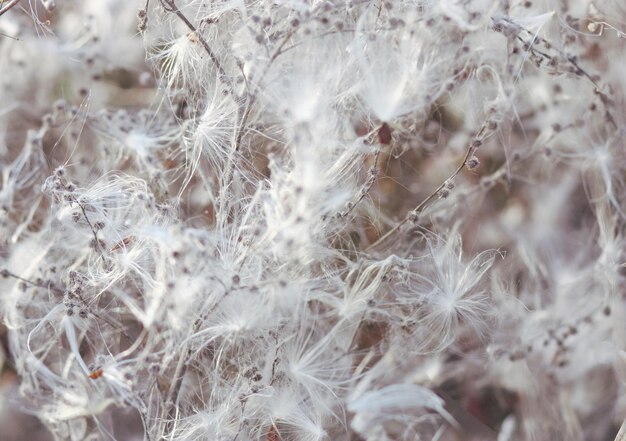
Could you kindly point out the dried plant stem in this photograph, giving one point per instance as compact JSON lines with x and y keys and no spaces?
{"x":420,"y":207}
{"x":10,"y":5}
{"x":368,"y":186}
{"x":92,"y":228}
{"x":572,"y":61}
{"x":7,"y":273}
{"x":170,"y":6}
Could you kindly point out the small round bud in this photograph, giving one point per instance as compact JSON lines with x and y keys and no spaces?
{"x":48,"y":120}
{"x":472,"y":163}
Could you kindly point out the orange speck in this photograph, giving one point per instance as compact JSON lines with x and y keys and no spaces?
{"x":96,"y":374}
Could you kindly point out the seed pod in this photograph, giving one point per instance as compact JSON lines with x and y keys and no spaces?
{"x":384,"y":134}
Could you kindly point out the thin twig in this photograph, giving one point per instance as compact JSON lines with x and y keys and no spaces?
{"x":245,"y":111}
{"x":373,"y":173}
{"x":93,"y":230}
{"x":420,"y":207}
{"x":572,"y":61}
{"x":170,"y":6}
{"x":11,"y":4}
{"x":7,"y":273}
{"x":252,"y":94}
{"x":171,"y":402}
